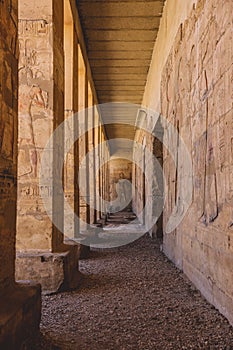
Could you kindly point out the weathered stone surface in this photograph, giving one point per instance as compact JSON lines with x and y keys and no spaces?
{"x":41,"y":110}
{"x":54,"y":271}
{"x":196,"y":95}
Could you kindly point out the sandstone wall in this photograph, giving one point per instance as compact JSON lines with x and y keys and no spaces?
{"x":175,"y":12}
{"x":8,"y":139}
{"x":197,"y":98}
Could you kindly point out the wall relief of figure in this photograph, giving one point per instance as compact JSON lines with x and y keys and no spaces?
{"x":210,"y":197}
{"x":33,"y":103}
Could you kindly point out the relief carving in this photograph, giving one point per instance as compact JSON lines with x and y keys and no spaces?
{"x":222,"y":145}
{"x":33,"y":99}
{"x":33,"y":28}
{"x":210,"y":197}
{"x":199,"y":156}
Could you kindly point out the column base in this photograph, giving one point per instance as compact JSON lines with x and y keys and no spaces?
{"x":88,"y":236}
{"x":20,"y":312}
{"x":55,"y":272}
{"x":84,"y":251}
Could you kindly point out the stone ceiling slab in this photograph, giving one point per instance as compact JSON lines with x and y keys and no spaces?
{"x":94,"y":8}
{"x":120,"y":37}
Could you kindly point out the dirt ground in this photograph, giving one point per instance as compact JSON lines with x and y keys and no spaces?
{"x":131,"y":297}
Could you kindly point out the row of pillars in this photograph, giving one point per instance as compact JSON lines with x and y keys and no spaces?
{"x":43,"y":83}
{"x":54,"y":82}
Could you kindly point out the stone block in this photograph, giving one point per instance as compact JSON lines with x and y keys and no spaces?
{"x":55,"y":272}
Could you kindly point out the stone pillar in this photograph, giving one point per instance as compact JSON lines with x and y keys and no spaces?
{"x":99,"y":169}
{"x":42,"y":256}
{"x":19,"y":304}
{"x":83,"y":139}
{"x":96,"y":164}
{"x":70,"y":72}
{"x":76,"y":134}
{"x":91,"y":157}
{"x":105,"y":178}
{"x":157,"y":182}
{"x":104,"y":170}
{"x":87,"y":161}
{"x":103,"y":174}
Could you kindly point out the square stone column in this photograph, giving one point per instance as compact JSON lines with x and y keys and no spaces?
{"x":76,"y":134}
{"x":69,"y":72}
{"x":83,"y":117}
{"x":20,"y":304}
{"x":42,"y":255}
{"x":103,"y":173}
{"x":91,"y":156}
{"x":98,"y":167}
{"x":101,"y":170}
{"x":96,"y":164}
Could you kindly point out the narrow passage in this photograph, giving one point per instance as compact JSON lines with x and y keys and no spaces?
{"x":132,"y":297}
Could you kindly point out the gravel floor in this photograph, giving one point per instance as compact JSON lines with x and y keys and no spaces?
{"x":132,"y":298}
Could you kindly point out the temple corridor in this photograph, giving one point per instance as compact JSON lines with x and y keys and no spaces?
{"x":116,"y":174}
